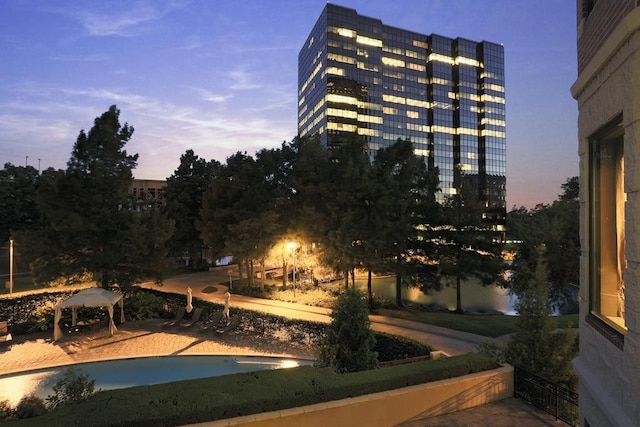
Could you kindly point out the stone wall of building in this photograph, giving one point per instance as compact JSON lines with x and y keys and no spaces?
{"x":598,"y":24}
{"x":609,"y":376}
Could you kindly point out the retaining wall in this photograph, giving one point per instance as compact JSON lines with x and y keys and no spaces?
{"x":391,"y":407}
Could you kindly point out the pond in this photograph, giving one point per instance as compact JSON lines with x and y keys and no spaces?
{"x":123,"y":373}
{"x":474,"y":296}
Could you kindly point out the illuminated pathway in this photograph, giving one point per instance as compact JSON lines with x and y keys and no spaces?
{"x":206,"y":285}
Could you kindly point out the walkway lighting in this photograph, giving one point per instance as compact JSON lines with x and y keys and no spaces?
{"x":292,"y":247}
{"x":10,"y":266}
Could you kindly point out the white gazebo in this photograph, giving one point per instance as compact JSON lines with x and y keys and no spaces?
{"x":91,"y":297}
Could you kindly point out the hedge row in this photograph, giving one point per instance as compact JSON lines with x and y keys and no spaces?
{"x":210,"y":399}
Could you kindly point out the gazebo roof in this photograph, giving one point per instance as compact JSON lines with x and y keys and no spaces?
{"x":91,"y":297}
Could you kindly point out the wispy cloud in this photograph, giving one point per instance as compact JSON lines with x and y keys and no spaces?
{"x":241,"y":79}
{"x":191,"y":43}
{"x":122,"y":21}
{"x":93,"y":57}
{"x":209,"y":96}
{"x":163,"y":129}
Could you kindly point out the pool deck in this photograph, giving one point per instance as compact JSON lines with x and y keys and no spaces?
{"x":133,"y":339}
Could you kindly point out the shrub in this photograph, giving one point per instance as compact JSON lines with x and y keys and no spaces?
{"x":29,"y":407}
{"x":493,"y":350}
{"x":71,"y":279}
{"x":144,"y":305}
{"x":349,"y":341}
{"x":392,"y":347}
{"x":73,"y":387}
{"x":6,"y":411}
{"x":42,"y":319}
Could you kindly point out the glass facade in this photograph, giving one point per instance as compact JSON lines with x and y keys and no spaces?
{"x":357,"y":76}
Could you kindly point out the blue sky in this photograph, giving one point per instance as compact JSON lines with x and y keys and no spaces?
{"x":220,"y":76}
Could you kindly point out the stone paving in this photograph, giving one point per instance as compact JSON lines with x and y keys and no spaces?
{"x":133,"y":339}
{"x":512,"y":412}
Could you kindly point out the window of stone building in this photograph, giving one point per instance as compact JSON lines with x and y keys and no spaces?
{"x":607,"y":226}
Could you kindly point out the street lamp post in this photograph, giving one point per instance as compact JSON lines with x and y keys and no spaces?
{"x":10,"y":266}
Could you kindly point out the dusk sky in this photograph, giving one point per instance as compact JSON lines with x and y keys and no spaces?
{"x":220,"y":76}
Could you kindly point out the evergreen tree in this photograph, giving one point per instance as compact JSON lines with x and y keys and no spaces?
{"x":241,"y":209}
{"x":348,"y":207}
{"x":149,"y":253}
{"x":405,"y":201}
{"x":183,"y":196}
{"x":310,"y":189}
{"x":466,"y":247}
{"x":557,"y":227}
{"x":88,"y":224}
{"x":18,"y":207}
{"x":349,"y":341}
{"x":537,"y":345}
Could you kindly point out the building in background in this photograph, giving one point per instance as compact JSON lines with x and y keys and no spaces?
{"x":360,"y":78}
{"x":147,"y":193}
{"x":608,"y":93}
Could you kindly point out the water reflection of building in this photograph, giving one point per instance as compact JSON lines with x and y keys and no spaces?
{"x":608,"y":366}
{"x":359,"y":78}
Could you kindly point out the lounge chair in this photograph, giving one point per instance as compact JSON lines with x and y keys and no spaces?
{"x":213,"y":322}
{"x":5,"y":336}
{"x":234,"y":323}
{"x":194,"y":319}
{"x":176,"y":320}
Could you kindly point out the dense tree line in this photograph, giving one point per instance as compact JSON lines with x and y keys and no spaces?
{"x":346,"y":208}
{"x":555,"y":227}
{"x":375,"y":213}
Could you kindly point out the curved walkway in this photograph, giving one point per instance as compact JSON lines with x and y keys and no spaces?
{"x":207,"y":287}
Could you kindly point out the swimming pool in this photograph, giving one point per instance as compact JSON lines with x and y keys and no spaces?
{"x":123,"y":373}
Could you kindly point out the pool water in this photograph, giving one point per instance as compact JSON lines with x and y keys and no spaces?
{"x":123,"y":373}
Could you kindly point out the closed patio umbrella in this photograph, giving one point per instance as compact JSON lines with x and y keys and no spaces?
{"x":189,"y":300}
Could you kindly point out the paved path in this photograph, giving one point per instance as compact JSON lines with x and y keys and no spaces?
{"x":207,"y":286}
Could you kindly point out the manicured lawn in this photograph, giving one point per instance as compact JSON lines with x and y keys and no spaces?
{"x":481,"y":324}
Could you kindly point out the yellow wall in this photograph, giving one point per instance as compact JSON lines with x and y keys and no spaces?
{"x":391,"y":407}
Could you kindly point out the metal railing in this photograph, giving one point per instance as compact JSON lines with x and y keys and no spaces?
{"x":546,"y":395}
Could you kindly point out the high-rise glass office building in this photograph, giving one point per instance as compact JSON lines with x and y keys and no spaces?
{"x":357,"y":76}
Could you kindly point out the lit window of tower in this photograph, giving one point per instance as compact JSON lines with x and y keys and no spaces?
{"x":357,"y":76}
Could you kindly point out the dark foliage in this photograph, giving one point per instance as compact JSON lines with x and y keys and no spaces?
{"x":74,"y":387}
{"x":29,"y":407}
{"x":349,"y":342}
{"x":555,"y":226}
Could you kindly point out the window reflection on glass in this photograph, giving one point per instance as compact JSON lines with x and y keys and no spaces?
{"x":607,"y":222}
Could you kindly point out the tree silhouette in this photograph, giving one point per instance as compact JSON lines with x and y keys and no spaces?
{"x":89,"y":226}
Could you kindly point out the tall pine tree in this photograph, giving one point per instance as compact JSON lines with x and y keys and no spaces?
{"x":89,"y":224}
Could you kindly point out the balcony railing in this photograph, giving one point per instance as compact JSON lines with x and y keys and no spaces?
{"x":546,"y":395}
